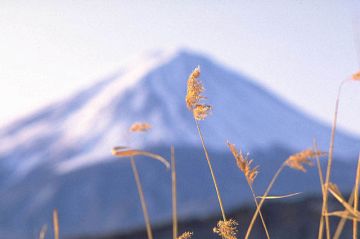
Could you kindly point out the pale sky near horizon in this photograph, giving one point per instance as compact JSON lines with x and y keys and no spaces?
{"x":300,"y":50}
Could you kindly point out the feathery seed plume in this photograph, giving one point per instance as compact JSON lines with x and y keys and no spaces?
{"x":201,"y":111}
{"x":194,"y":95}
{"x":298,"y":160}
{"x":185,"y":235}
{"x":244,"y":164}
{"x":194,"y":89}
{"x":139,"y":127}
{"x":356,"y":76}
{"x":226,"y":229}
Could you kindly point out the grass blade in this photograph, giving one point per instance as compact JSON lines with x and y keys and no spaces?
{"x":122,"y":152}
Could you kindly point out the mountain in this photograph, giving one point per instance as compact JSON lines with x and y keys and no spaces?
{"x":60,"y":157}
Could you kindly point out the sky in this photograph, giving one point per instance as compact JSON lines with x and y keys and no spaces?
{"x":300,"y":50}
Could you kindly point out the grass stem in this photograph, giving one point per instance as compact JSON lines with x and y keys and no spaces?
{"x":263,"y":200}
{"x":142,"y":198}
{"x":330,"y":159}
{"x":56,"y":223}
{"x":173,"y":194}
{"x":211,"y":170}
{"x":343,"y":220}
{"x":356,"y":198}
{"x":261,"y":216}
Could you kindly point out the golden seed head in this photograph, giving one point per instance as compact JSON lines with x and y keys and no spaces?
{"x":298,"y":160}
{"x":226,"y":229}
{"x":244,"y":164}
{"x":194,"y":89}
{"x":356,"y":76}
{"x":185,"y":235}
{"x":201,"y":111}
{"x":140,"y":127}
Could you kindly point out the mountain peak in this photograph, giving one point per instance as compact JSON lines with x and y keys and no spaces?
{"x":81,"y":130}
{"x":64,"y":150}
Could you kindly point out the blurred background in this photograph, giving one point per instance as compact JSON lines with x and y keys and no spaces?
{"x":76,"y":74}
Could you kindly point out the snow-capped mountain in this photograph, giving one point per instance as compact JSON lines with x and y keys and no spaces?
{"x":61,"y":156}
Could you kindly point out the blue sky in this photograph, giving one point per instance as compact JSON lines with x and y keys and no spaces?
{"x":301,"y":50}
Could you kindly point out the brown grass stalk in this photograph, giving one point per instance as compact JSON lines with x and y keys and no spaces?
{"x":330,"y":159}
{"x":244,"y":164}
{"x":56,"y":223}
{"x":356,"y":198}
{"x":343,"y":220}
{"x":43,"y":231}
{"x":257,"y":206}
{"x":142,"y":198}
{"x":211,"y":170}
{"x":321,"y":177}
{"x":263,"y":200}
{"x":173,"y":194}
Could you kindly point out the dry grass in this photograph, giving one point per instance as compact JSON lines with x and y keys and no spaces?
{"x":140,"y":127}
{"x":356,"y":198}
{"x":43,"y":231}
{"x":250,"y":174}
{"x":227,"y":228}
{"x":56,"y":223}
{"x":122,"y":152}
{"x":192,"y":99}
{"x":185,"y":235}
{"x":173,"y":194}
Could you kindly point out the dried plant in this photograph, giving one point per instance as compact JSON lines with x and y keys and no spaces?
{"x":43,"y":231}
{"x":194,"y":96}
{"x":194,"y":89}
{"x":185,"y":235}
{"x":343,"y":219}
{"x":298,"y":160}
{"x":294,"y":161}
{"x":334,"y":190}
{"x":244,"y":164}
{"x":122,"y":152}
{"x":330,"y":156}
{"x":356,"y":198}
{"x":356,"y":76}
{"x":56,"y":223}
{"x":250,"y":174}
{"x":140,"y":127}
{"x":226,"y":229}
{"x":200,"y":111}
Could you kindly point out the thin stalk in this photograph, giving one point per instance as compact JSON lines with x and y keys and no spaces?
{"x":142,"y":198}
{"x":330,"y":159}
{"x":321,"y":177}
{"x":263,"y":200}
{"x":356,"y":198}
{"x":211,"y":170}
{"x":56,"y":223}
{"x":343,"y":220}
{"x":43,"y":232}
{"x":173,"y":187}
{"x":257,"y":205}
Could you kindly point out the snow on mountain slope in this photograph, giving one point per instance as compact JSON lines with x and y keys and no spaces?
{"x":60,"y":156}
{"x":153,"y":90}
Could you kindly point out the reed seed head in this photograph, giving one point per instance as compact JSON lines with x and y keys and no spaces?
{"x":298,"y":160}
{"x":194,"y":89}
{"x":185,"y":235}
{"x":244,"y":164}
{"x":201,"y":111}
{"x":226,"y":229}
{"x":356,"y":76}
{"x":139,"y":127}
{"x":194,"y":95}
